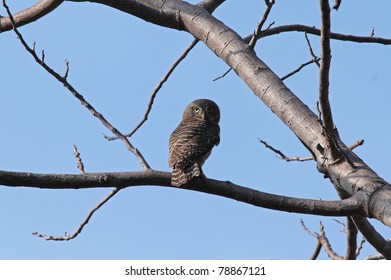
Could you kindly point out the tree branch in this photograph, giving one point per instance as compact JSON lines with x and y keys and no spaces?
{"x":323,"y":241}
{"x":373,"y":237}
{"x":351,"y":234}
{"x":75,"y":93}
{"x":316,"y":31}
{"x":29,"y":15}
{"x":82,"y":225}
{"x":350,"y":206}
{"x":324,"y":80}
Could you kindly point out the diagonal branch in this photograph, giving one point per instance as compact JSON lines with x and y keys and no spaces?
{"x":82,"y":225}
{"x":298,"y":69}
{"x":373,"y":237}
{"x":29,"y":15}
{"x":75,"y":93}
{"x":157,"y":88}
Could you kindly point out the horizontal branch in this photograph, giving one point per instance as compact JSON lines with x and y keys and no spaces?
{"x":344,"y":207}
{"x":316,"y":31}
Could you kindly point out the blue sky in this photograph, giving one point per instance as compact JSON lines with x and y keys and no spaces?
{"x":116,"y":60}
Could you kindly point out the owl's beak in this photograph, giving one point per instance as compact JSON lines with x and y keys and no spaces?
{"x":203,"y":116}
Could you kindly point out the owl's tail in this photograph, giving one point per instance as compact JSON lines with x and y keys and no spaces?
{"x":180,"y":177}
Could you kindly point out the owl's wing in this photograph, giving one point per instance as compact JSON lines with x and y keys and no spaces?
{"x":192,"y":142}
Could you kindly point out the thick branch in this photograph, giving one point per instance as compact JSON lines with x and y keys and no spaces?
{"x":29,"y":15}
{"x":345,"y":207}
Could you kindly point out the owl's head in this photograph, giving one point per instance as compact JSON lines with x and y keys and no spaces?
{"x":204,"y":109}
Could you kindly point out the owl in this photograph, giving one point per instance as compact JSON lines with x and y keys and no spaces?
{"x":192,"y":141}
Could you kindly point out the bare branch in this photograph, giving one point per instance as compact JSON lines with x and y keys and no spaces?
{"x":66,"y":69}
{"x":282,"y":156}
{"x":82,"y":225}
{"x":157,"y":88}
{"x":374,"y":238}
{"x":351,"y":234}
{"x":29,"y":15}
{"x":316,"y":61}
{"x":349,"y":206}
{"x":326,"y":244}
{"x":316,"y":31}
{"x":76,"y":94}
{"x":316,"y":252}
{"x":323,"y":241}
{"x":254,"y":38}
{"x":311,"y":50}
{"x":80,"y":165}
{"x":324,"y":79}
{"x":360,"y":246}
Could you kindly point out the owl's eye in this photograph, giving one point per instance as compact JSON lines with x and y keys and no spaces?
{"x":195,"y":109}
{"x":209,"y":109}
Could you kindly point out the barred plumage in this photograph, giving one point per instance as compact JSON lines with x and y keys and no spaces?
{"x":192,"y":141}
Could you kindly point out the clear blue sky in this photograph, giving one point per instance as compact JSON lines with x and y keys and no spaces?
{"x":115,"y":62}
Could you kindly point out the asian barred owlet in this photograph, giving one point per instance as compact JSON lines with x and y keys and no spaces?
{"x":192,"y":141}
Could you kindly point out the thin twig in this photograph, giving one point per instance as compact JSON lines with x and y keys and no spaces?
{"x":254,"y":38}
{"x":315,"y":57}
{"x":82,"y":225}
{"x":360,"y":246}
{"x":300,"y":67}
{"x":66,"y":69}
{"x":79,"y":162}
{"x":157,"y":88}
{"x":316,"y":252}
{"x":323,"y":240}
{"x":282,"y":156}
{"x":76,"y":94}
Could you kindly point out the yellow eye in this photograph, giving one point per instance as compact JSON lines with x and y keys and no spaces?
{"x":209,"y":109}
{"x":195,"y":109}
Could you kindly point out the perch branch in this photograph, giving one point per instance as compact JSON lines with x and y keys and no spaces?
{"x":349,"y":206}
{"x":76,"y":94}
